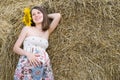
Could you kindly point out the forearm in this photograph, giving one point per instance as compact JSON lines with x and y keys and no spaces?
{"x":55,"y":20}
{"x":20,"y":51}
{"x":31,"y":57}
{"x":54,"y":15}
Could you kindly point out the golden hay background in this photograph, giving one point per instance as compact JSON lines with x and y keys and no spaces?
{"x":85,"y":45}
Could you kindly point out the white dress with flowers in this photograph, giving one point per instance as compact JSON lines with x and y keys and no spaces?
{"x":24,"y":71}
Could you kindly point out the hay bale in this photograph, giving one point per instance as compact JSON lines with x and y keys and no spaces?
{"x":85,"y":45}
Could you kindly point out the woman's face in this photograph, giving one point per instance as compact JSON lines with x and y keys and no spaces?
{"x":37,"y":16}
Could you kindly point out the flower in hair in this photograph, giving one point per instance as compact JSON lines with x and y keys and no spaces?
{"x":27,"y":17}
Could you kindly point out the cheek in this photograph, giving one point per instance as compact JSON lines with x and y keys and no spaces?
{"x":41,"y":16}
{"x":33,"y":18}
{"x":42,"y":19}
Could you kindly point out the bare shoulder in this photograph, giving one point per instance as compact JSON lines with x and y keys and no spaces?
{"x":24,"y":31}
{"x":26,"y":28}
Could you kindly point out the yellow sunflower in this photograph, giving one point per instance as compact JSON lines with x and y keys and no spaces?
{"x":27,"y":17}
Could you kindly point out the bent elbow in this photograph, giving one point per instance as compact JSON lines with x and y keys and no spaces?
{"x":59,"y":15}
{"x":14,"y":49}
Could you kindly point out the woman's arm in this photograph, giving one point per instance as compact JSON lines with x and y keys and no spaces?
{"x":31,"y":57}
{"x":55,"y":20}
{"x":19,"y":42}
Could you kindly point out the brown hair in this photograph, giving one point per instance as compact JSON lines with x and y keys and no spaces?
{"x":45,"y":23}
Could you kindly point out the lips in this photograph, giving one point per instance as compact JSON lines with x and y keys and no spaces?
{"x":37,"y":19}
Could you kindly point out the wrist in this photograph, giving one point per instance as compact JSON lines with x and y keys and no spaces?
{"x":26,"y":54}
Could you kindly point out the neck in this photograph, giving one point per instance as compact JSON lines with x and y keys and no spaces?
{"x":39,"y":26}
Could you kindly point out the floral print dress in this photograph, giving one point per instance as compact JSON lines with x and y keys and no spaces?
{"x":24,"y":71}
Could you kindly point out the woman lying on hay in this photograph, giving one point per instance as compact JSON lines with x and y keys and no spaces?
{"x":34,"y":62}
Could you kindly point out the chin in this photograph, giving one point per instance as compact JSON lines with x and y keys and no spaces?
{"x":40,"y":21}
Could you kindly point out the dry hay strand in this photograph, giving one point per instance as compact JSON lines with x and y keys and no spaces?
{"x":85,"y":45}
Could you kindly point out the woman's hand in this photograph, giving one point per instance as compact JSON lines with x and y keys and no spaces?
{"x":33,"y":59}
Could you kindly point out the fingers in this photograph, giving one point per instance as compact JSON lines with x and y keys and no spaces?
{"x":39,"y":62}
{"x":37,"y":55}
{"x":35,"y":62}
{"x":34,"y":59}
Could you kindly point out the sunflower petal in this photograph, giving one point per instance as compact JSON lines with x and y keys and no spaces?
{"x":27,"y":17}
